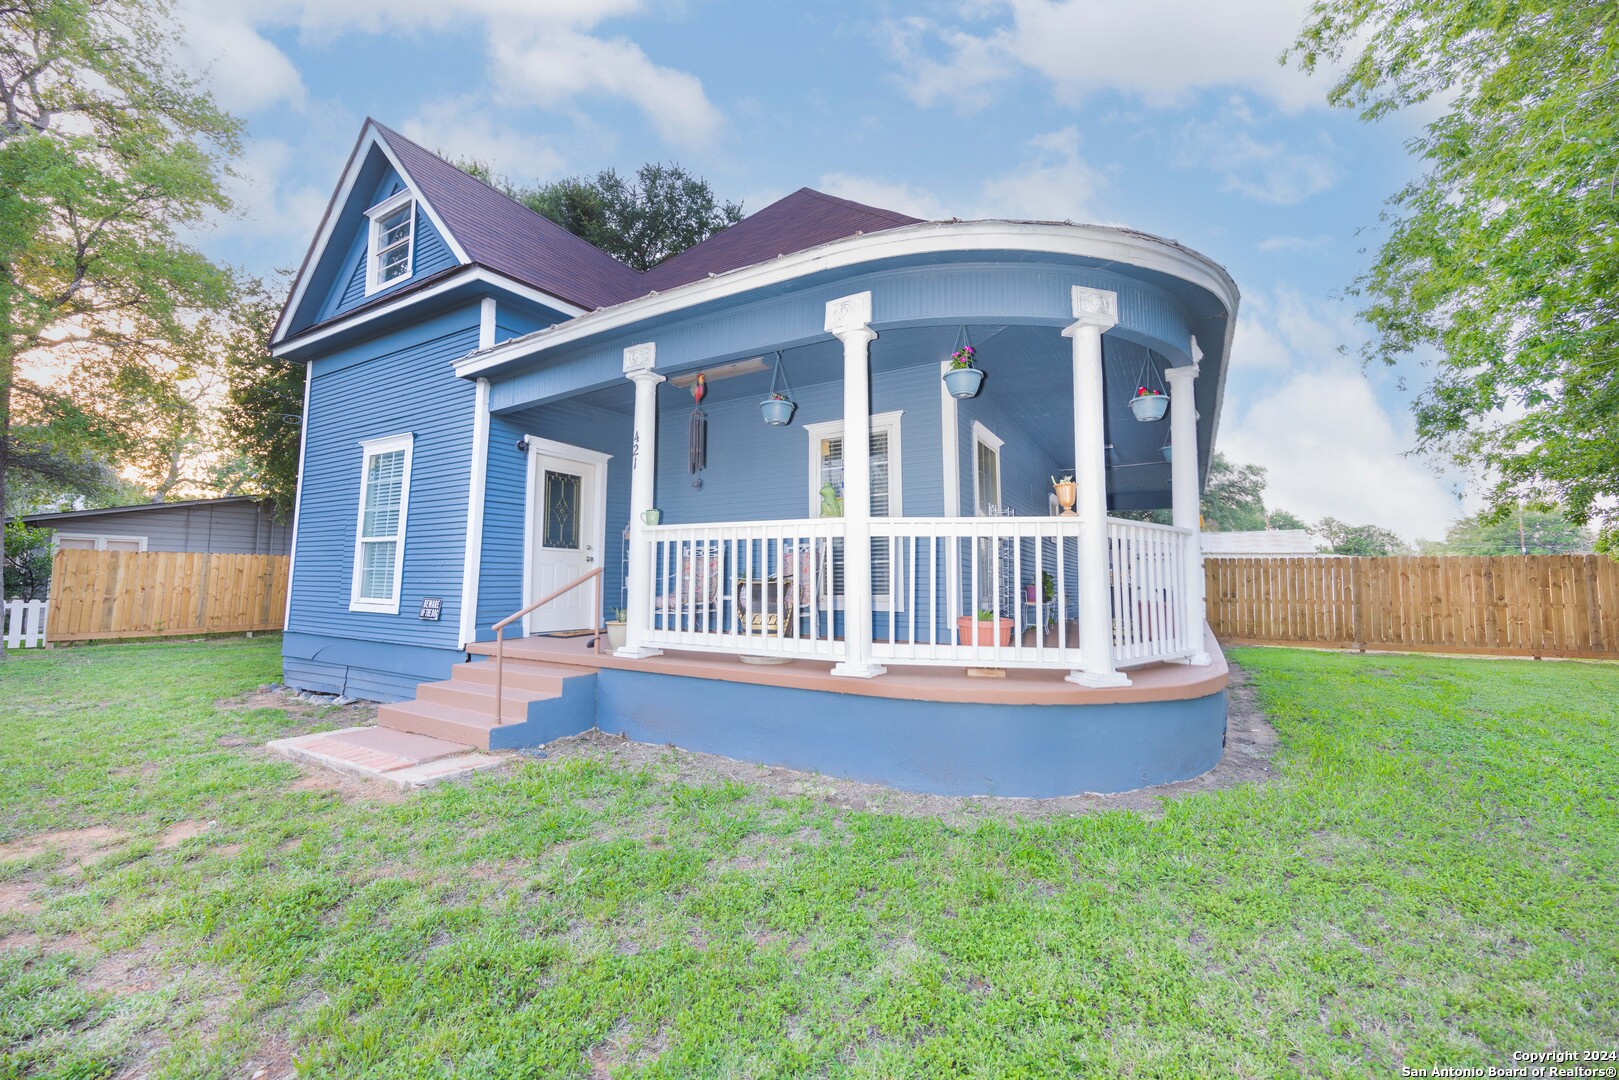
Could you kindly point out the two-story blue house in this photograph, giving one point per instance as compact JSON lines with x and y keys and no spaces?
{"x":829,"y":549}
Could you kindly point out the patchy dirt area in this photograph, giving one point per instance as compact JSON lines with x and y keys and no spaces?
{"x":1250,"y":746}
{"x":302,"y":709}
{"x":76,"y":846}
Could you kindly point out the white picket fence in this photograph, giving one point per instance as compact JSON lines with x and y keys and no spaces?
{"x":23,"y":625}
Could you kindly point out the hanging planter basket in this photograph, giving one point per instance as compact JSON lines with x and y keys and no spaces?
{"x":1169,"y":453}
{"x":777,"y":409}
{"x":1149,"y":404}
{"x":963,"y":382}
{"x":962,"y":379}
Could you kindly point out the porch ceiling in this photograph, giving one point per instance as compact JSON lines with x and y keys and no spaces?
{"x":1028,"y":368}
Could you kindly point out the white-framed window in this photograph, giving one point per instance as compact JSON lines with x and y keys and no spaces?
{"x":887,"y":490}
{"x":986,"y":471}
{"x":379,"y":544}
{"x":392,"y":241}
{"x":95,"y":542}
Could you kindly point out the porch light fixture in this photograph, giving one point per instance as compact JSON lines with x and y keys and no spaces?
{"x":522,"y":446}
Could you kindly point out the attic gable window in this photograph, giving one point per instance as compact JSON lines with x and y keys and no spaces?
{"x":393,"y":239}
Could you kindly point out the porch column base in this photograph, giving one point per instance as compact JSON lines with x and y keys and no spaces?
{"x":1197,"y":659}
{"x":636,"y":652}
{"x":859,"y":671}
{"x":1098,"y":679}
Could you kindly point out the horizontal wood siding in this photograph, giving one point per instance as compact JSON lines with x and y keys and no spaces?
{"x":1510,"y":605}
{"x":500,"y":587}
{"x":399,"y":384}
{"x":236,"y":528}
{"x":432,"y":254}
{"x":115,"y":594}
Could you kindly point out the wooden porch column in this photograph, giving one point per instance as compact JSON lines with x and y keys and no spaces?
{"x":1096,"y":311}
{"x":848,"y":319}
{"x":1185,"y":509}
{"x":638,"y":363}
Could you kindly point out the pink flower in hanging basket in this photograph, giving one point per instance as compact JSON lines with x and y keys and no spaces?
{"x":1142,"y":391}
{"x":962,"y":357}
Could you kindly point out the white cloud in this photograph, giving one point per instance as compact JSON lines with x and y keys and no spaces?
{"x":268,"y":203}
{"x":889,"y":196}
{"x":1272,"y":244}
{"x":460,"y":129}
{"x":1278,"y":172}
{"x":540,"y":53}
{"x":551,"y":69}
{"x":1331,"y":437}
{"x":1051,"y":182}
{"x":245,"y":71}
{"x":1160,"y":51}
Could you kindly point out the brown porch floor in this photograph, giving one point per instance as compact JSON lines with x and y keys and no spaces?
{"x":1021,"y":686}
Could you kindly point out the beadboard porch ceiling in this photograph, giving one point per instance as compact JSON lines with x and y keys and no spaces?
{"x":1028,"y":367}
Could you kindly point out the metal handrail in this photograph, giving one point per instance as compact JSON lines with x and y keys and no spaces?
{"x":500,"y":632}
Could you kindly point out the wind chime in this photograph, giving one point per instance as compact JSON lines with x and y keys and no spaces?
{"x":697,"y":432}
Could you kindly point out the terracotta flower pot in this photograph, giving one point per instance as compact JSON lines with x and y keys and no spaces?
{"x":983,"y":632}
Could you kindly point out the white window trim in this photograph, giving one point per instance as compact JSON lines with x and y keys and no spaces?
{"x":985,"y":437}
{"x":373,"y":265}
{"x":369,"y":448}
{"x":99,"y":538}
{"x":888,"y":423}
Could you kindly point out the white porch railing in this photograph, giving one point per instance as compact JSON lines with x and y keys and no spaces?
{"x":755,"y":587}
{"x":943,"y":572}
{"x":775,"y":588}
{"x":1148,"y":575}
{"x":22,"y":622}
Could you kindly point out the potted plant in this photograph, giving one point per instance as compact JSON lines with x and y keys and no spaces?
{"x":777,"y":409}
{"x":1067,"y":491}
{"x":615,"y":629}
{"x":962,"y":379}
{"x":984,"y":630}
{"x":1149,"y":405}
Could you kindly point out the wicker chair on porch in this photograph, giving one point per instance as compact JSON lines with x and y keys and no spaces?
{"x":760,"y":602}
{"x":690,"y":598}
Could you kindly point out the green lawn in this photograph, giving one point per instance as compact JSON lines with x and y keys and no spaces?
{"x":1434,"y":879}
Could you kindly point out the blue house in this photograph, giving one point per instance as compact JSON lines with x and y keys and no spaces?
{"x":825,"y":547}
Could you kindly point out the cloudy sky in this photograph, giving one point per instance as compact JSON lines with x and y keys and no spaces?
{"x":1170,"y":116}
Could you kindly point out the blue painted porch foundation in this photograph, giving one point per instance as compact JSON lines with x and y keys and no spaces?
{"x":941,"y":748}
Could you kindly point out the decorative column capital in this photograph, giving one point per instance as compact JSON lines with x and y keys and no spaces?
{"x":1094,"y":307}
{"x":639,"y":358}
{"x":1184,"y":374}
{"x":849,"y":315}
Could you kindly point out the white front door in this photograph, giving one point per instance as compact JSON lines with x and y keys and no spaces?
{"x":566,"y":522}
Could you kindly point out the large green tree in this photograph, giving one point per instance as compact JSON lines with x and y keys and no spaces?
{"x":1342,"y":538}
{"x":1502,"y":259}
{"x":263,"y":415}
{"x":107,"y":152}
{"x":1525,"y":531}
{"x":641,"y":220}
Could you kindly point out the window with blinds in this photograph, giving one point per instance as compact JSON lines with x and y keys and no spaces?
{"x":380,"y":541}
{"x":827,"y":444}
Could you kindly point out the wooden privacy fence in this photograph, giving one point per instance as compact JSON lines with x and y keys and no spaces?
{"x":1510,"y":605}
{"x":112,"y":594}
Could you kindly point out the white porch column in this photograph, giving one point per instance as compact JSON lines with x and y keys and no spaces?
{"x":1185,"y":504}
{"x":638,"y":364}
{"x":848,"y":319}
{"x":1096,"y":311}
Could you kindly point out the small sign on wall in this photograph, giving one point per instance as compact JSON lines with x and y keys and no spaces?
{"x":432,"y":606}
